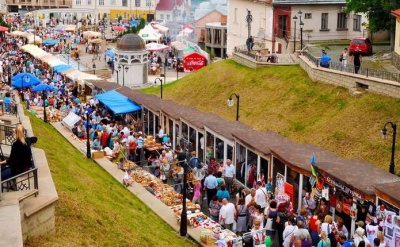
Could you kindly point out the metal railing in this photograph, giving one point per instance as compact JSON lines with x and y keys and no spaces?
{"x":349,"y":68}
{"x":22,"y":182}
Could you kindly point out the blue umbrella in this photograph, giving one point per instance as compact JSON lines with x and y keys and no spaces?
{"x":110,"y":53}
{"x":43,"y":87}
{"x":62,"y":67}
{"x":24,"y":80}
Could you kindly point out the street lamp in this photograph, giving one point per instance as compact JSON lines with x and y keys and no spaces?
{"x":117,"y":76}
{"x":94,"y":68}
{"x":294,"y":33}
{"x":161,"y":83}
{"x":44,"y":107}
{"x":301,"y":29}
{"x":9,"y":75}
{"x":230,"y":103}
{"x":384,"y":132}
{"x":123,"y":67}
{"x":88,"y":154}
{"x":249,"y":19}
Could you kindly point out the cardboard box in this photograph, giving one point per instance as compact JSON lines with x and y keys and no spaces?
{"x":97,"y":154}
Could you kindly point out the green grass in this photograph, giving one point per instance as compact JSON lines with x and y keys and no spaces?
{"x":283,"y":99}
{"x":93,"y":208}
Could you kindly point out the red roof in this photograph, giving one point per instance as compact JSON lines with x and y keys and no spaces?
{"x":396,"y":12}
{"x":168,"y":4}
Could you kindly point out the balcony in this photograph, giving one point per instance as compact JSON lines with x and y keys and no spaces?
{"x":41,"y":3}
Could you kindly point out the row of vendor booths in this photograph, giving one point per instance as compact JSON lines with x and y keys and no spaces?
{"x":349,"y":185}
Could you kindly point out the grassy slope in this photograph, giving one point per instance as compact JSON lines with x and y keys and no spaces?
{"x":285,"y":100}
{"x":93,"y":208}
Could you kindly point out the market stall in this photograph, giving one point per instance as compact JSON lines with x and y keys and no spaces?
{"x":149,"y":34}
{"x":193,"y":61}
{"x":387,"y":210}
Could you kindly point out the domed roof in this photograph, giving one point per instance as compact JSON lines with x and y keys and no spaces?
{"x":131,"y":42}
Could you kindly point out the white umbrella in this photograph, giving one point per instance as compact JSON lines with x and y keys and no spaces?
{"x":156,"y":47}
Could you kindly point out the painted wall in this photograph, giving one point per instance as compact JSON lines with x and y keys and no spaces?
{"x":200,"y":24}
{"x":397,"y":37}
{"x":237,"y":26}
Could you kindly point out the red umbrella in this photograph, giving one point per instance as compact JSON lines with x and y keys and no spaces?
{"x":119,"y":28}
{"x":3,"y":29}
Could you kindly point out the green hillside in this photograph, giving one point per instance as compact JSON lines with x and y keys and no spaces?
{"x":93,"y":208}
{"x":284,"y":100}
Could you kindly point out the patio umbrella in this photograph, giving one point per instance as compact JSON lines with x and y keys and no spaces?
{"x":3,"y":29}
{"x":96,"y":41}
{"x":24,"y":80}
{"x":156,"y":47}
{"x":43,"y":87}
{"x":119,"y":28}
{"x":60,"y":28}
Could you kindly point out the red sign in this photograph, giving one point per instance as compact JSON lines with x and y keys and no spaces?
{"x":290,"y":192}
{"x":193,"y":61}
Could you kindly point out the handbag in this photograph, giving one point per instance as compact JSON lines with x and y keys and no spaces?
{"x":268,"y":224}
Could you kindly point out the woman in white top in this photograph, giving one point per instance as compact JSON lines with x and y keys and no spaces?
{"x":288,"y":232}
{"x":327,"y":226}
{"x":344,"y":58}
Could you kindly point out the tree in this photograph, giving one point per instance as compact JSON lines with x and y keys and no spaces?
{"x":378,"y":13}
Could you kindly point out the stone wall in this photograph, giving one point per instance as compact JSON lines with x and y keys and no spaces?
{"x":41,"y":222}
{"x":251,"y":63}
{"x":396,"y":60}
{"x":349,"y":80}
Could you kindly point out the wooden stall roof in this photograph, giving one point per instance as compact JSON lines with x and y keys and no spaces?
{"x":357,"y":175}
{"x":219,"y":125}
{"x":150,"y":101}
{"x":173,"y":109}
{"x":104,"y":85}
{"x":194,"y":117}
{"x":257,"y":140}
{"x":389,"y":192}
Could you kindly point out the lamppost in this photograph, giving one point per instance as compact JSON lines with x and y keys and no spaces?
{"x":384,"y":132}
{"x":94,"y":68}
{"x":301,"y":29}
{"x":26,"y":79}
{"x":117,"y":76}
{"x":88,"y":154}
{"x":44,"y":107}
{"x":9,"y":75}
{"x":123,"y":67}
{"x":294,"y":33}
{"x":161,"y":83}
{"x":231,"y":103}
{"x":249,"y":19}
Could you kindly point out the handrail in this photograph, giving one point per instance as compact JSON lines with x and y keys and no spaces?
{"x":21,"y":182}
{"x":349,"y":68}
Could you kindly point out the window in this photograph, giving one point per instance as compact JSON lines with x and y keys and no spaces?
{"x":112,"y":2}
{"x":137,"y":3}
{"x":168,"y":17}
{"x":124,"y":3}
{"x":324,"y":21}
{"x":148,"y":3}
{"x":78,"y":2}
{"x":235,"y":16}
{"x":307,"y":16}
{"x":89,"y":2}
{"x":161,"y":16}
{"x":357,"y":23}
{"x":341,"y":21}
{"x":101,"y":2}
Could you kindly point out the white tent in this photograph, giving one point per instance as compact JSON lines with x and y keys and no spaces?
{"x":70,"y":120}
{"x":149,"y":34}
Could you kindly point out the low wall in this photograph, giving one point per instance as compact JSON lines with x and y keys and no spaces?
{"x":350,"y":81}
{"x":396,"y":59}
{"x":251,"y":63}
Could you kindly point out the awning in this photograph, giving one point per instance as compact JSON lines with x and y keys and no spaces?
{"x":117,"y":102}
{"x":179,"y":45}
{"x":50,"y":41}
{"x":62,"y":67}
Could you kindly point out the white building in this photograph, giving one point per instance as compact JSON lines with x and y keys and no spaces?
{"x":274,"y":28}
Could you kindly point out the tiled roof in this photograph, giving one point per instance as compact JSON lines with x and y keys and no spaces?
{"x":168,"y":4}
{"x":301,"y":2}
{"x":396,"y":13}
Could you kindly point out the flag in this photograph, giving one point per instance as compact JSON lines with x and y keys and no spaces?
{"x":314,"y":171}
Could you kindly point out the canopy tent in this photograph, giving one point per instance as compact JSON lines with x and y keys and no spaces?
{"x":156,"y":47}
{"x":110,"y":53}
{"x":79,"y":75}
{"x":17,"y":33}
{"x":50,"y":41}
{"x":91,"y":34}
{"x":148,"y":34}
{"x":134,"y":23}
{"x":161,"y":28}
{"x":62,"y":67}
{"x":117,"y":102}
{"x":34,"y":39}
{"x":24,"y":80}
{"x":43,"y":87}
{"x":179,"y":45}
{"x":70,"y":28}
{"x":70,"y":120}
{"x":54,"y":62}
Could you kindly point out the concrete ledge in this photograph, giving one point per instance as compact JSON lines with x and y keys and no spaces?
{"x":10,"y":220}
